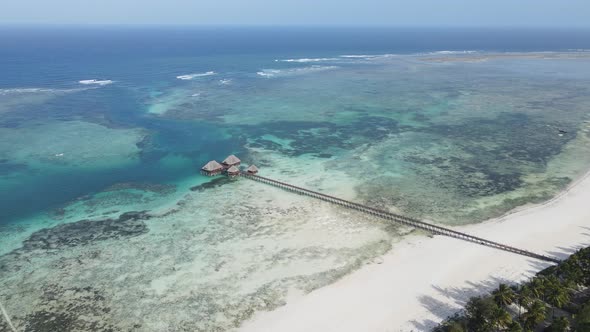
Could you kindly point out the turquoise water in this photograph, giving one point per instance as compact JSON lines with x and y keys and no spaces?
{"x":102,"y":209}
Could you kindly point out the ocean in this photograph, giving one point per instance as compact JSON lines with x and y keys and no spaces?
{"x":103,"y":131}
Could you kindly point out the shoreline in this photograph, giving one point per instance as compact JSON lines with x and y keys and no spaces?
{"x":422,"y":280}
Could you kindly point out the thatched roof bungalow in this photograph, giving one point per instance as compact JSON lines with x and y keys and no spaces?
{"x":212,"y":168}
{"x":252,"y":169}
{"x":231,"y":161}
{"x":233,"y":171}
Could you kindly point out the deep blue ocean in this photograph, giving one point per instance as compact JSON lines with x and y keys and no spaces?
{"x":141,"y":58}
{"x":49,"y":56}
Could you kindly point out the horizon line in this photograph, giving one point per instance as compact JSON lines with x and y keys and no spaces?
{"x":270,"y":25}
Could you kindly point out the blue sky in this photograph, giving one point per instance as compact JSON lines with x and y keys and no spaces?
{"x":547,"y":13}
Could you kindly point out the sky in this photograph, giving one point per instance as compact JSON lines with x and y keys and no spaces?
{"x":491,"y":13}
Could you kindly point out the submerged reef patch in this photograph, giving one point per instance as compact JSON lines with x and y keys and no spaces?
{"x":318,"y":137}
{"x":83,"y":232}
{"x":114,"y":198}
{"x":158,"y":188}
{"x":468,"y":171}
{"x":6,"y":167}
{"x":69,"y":143}
{"x":69,"y":309}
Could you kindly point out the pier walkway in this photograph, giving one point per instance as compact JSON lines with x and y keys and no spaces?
{"x":398,"y":218}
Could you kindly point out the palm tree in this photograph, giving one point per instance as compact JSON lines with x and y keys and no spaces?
{"x":501,"y":319}
{"x":504,"y":295}
{"x":514,"y":327}
{"x":537,"y":286}
{"x":535,"y":314}
{"x":571,"y":270}
{"x":524,"y":298}
{"x":561,"y":324}
{"x":454,"y":327}
{"x":557,"y":294}
{"x":479,"y":312}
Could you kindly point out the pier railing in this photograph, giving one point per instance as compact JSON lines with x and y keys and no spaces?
{"x":399,"y":218}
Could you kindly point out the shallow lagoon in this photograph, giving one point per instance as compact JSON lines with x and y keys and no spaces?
{"x":119,"y":227}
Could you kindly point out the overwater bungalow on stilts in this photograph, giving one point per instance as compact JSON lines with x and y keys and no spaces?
{"x":252,"y":169}
{"x":230,"y":167}
{"x":231,"y":161}
{"x":233,"y":172}
{"x":212,"y":168}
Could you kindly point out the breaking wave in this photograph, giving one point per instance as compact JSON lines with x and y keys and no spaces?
{"x":359,"y":56}
{"x":16,"y":91}
{"x":24,"y":90}
{"x":389,"y":55}
{"x":96,"y":82}
{"x":450,"y":52}
{"x":307,"y":60}
{"x":269,"y":73}
{"x":368,"y":56}
{"x":192,"y":76}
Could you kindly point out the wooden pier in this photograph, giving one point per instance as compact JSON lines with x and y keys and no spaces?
{"x":434,"y":229}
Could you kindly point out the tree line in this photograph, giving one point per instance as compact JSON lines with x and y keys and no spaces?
{"x":557,"y":299}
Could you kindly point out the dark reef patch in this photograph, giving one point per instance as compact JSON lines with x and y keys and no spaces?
{"x":70,"y":309}
{"x":319,"y":137}
{"x":511,"y":136}
{"x":6,"y":167}
{"x":466,"y":161}
{"x":83,"y":232}
{"x":158,"y":188}
{"x":500,"y":152}
{"x":149,"y":150}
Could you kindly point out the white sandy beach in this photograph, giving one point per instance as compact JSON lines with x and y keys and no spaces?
{"x":422,"y":280}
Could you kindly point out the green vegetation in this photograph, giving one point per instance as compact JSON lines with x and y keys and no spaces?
{"x":557,"y":299}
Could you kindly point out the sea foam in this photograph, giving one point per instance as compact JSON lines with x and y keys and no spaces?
{"x":96,"y":82}
{"x":192,"y":76}
{"x":24,"y":90}
{"x":15,"y":91}
{"x":307,"y":60}
{"x":269,"y":73}
{"x":452,"y":52}
{"x":358,"y":56}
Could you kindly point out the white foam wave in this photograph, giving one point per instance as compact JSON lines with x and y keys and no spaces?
{"x":96,"y":82}
{"x":226,"y":81}
{"x":192,"y":76}
{"x":452,"y":52}
{"x":358,"y":56}
{"x":293,"y":71}
{"x":307,"y":60}
{"x":389,"y":55}
{"x":23,"y":90}
{"x":367,"y":56}
{"x":14,"y":91}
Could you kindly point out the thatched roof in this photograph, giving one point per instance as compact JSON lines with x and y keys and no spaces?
{"x":233,"y":169}
{"x":212,"y":166}
{"x":252,"y":169}
{"x":231,"y":160}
